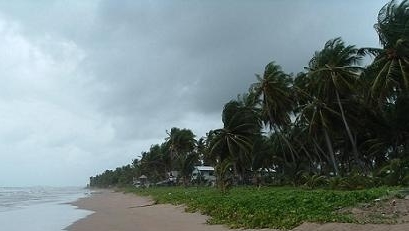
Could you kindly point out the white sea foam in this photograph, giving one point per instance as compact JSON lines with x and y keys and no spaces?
{"x":39,"y":208}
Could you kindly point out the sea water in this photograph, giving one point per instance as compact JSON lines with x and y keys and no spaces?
{"x":40,"y":208}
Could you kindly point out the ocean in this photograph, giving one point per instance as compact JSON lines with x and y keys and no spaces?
{"x":40,"y":208}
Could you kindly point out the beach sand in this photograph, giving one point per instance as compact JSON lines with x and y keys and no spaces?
{"x":116,"y":211}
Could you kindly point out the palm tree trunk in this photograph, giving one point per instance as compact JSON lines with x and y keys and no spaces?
{"x":348,"y":130}
{"x":319,"y":150}
{"x":288,"y":143}
{"x":331,"y":151}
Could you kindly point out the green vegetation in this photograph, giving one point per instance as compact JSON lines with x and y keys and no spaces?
{"x":337,"y":125}
{"x":278,"y":207}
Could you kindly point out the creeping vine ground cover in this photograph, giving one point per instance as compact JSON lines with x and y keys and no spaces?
{"x":282,"y":207}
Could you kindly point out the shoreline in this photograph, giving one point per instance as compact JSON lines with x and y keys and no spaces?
{"x":117,"y":211}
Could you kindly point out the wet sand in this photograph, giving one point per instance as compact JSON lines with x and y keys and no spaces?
{"x":116,"y":211}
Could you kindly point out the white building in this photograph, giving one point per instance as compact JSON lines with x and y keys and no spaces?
{"x":205,"y":173}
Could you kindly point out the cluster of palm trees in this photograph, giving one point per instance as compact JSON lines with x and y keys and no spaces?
{"x":179,"y":152}
{"x":334,"y":119}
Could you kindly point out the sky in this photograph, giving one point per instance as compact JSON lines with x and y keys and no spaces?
{"x":87,"y":86}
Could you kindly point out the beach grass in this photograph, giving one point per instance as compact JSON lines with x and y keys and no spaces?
{"x":268,"y":207}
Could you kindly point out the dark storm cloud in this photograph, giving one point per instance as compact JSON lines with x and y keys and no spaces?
{"x":199,"y":55}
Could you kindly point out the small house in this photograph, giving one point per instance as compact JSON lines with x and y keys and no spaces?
{"x":203,"y":173}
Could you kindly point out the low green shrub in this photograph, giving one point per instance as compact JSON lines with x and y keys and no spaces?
{"x":272,"y":207}
{"x":396,"y":172}
{"x":313,"y":181}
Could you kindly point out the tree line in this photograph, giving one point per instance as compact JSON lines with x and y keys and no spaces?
{"x":337,"y":122}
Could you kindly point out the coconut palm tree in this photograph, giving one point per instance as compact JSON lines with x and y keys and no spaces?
{"x":180,"y":142}
{"x":393,"y":22}
{"x":275,"y":94}
{"x":234,"y":142}
{"x":388,"y":135}
{"x":334,"y":72}
{"x":318,"y":117}
{"x":181,"y":146}
{"x":388,"y":81}
{"x":390,"y":67}
{"x":152,"y":163}
{"x":275,"y":97}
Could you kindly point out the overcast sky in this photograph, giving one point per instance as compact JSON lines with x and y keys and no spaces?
{"x":87,"y":86}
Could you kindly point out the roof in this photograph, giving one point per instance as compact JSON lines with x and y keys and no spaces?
{"x":204,"y":168}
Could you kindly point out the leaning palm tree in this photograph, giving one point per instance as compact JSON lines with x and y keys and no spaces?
{"x":275,"y":94}
{"x":318,"y":117}
{"x":393,"y":22}
{"x":234,"y":142}
{"x":333,"y":72}
{"x":390,"y":68}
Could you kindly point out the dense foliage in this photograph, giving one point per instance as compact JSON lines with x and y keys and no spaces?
{"x":282,"y":208}
{"x":337,"y":124}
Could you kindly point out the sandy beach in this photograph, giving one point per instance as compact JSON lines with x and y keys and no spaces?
{"x":116,"y":211}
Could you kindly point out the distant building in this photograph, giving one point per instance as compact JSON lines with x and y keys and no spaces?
{"x":141,"y":181}
{"x":203,"y":173}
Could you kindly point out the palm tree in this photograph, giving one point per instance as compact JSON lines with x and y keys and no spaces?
{"x":391,"y":64}
{"x":334,"y":72}
{"x":187,"y":163}
{"x":389,"y":133}
{"x":234,"y":142}
{"x":388,"y":81}
{"x":393,"y":22}
{"x":152,"y":163}
{"x":318,"y":116}
{"x":275,"y":97}
{"x":180,"y":142}
{"x":274,"y":91}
